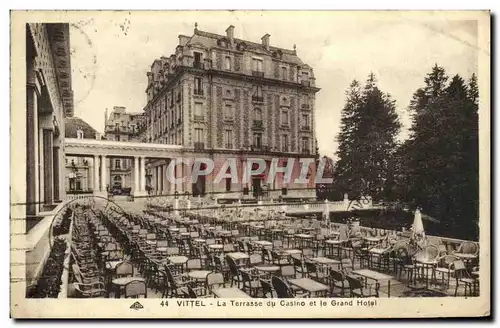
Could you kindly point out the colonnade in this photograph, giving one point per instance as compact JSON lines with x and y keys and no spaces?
{"x":100,"y":178}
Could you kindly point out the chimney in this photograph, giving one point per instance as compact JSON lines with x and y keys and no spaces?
{"x":230,"y":32}
{"x":265,"y":41}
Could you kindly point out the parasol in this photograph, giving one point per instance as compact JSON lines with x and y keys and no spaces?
{"x":418,"y":225}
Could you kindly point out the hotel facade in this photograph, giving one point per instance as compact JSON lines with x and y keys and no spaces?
{"x":122,"y":126}
{"x":221,"y":97}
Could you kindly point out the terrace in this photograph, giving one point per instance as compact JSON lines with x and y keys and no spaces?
{"x":202,"y":250}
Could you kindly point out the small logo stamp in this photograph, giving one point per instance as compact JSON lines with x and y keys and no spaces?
{"x":137,"y":306}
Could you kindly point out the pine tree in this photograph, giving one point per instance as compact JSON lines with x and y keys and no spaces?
{"x":369,"y":126}
{"x":439,"y":161}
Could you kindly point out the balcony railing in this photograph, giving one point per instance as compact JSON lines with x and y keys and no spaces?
{"x":258,"y":124}
{"x":306,"y":83}
{"x":255,"y":147}
{"x":199,"y":118}
{"x":198,"y":65}
{"x":228,"y":146}
{"x":306,"y":151}
{"x":260,"y":148}
{"x":305,"y":106}
{"x":199,"y":145}
{"x":198,"y":92}
{"x":257,"y":99}
{"x":258,"y":73}
{"x":305,"y":128}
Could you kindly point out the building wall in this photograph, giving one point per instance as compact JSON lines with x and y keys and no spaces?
{"x":49,"y":99}
{"x":38,"y":155}
{"x":230,"y":78}
{"x":130,"y":127}
{"x":85,"y":172}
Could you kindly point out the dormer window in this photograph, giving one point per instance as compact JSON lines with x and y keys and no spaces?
{"x":283,"y":73}
{"x":197,"y":60}
{"x":79,"y":133}
{"x":227,"y":63}
{"x":197,"y":57}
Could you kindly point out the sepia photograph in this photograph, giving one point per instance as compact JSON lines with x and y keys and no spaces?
{"x":250,"y":164}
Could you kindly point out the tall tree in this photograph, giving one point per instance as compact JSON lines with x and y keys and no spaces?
{"x":369,"y":126}
{"x":439,"y":160}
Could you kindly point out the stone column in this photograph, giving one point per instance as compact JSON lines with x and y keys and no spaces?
{"x":136,"y":175}
{"x":143,"y":174}
{"x":31,"y":148}
{"x":55,"y":173}
{"x":161,"y":176}
{"x":103,"y":174}
{"x":95,"y":185}
{"x":171,"y":185}
{"x":48,"y":181}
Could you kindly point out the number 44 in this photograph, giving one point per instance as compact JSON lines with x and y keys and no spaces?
{"x":164,"y":303}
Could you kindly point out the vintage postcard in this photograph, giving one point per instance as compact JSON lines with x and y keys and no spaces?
{"x":250,"y":164}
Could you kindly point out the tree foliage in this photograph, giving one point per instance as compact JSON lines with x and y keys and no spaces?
{"x":439,"y":162}
{"x":369,"y":125}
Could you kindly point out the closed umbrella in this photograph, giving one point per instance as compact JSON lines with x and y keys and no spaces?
{"x":418,"y":225}
{"x":326,"y":213}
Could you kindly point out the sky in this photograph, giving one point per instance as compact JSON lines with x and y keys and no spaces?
{"x":110,"y":55}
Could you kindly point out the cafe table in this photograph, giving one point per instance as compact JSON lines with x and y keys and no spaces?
{"x":216,"y":246}
{"x":121,"y":282}
{"x":262,"y":243}
{"x":291,"y":251}
{"x":178,"y":259}
{"x":333,"y":243}
{"x":377,"y":277}
{"x":325,"y":261}
{"x":378,"y":253}
{"x":303,"y":238}
{"x":309,"y":285}
{"x":467,"y":258}
{"x":199,"y":274}
{"x":230,"y":293}
{"x":267,"y":268}
{"x":237,"y":256}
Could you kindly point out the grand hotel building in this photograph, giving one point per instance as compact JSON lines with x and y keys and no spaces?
{"x":222,"y":97}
